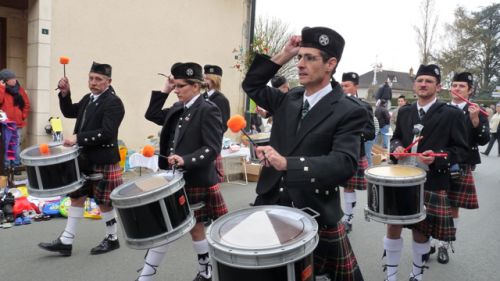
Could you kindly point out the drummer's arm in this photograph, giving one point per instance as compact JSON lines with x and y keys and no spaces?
{"x":458,"y":147}
{"x":155,"y":113}
{"x":68,"y":108}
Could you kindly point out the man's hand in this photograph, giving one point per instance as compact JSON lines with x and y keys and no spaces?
{"x":424,"y":158}
{"x":169,"y":85}
{"x":474,"y":114}
{"x":399,"y":149}
{"x":176,"y":160}
{"x":271,"y":157}
{"x":70,"y":141}
{"x":63,"y":86}
{"x":261,"y":112}
{"x":289,"y":51}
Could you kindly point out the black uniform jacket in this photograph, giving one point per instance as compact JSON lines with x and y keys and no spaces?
{"x":444,"y":131}
{"x":223,"y":104}
{"x":97,"y":134}
{"x":199,"y":139}
{"x":369,"y":129}
{"x":321,"y":154}
{"x":476,"y":136}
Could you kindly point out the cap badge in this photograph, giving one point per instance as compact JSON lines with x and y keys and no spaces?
{"x":469,"y":77}
{"x":189,"y":72}
{"x":324,"y":40}
{"x":436,"y":71}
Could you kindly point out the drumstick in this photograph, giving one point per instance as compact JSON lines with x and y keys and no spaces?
{"x":148,"y":151}
{"x":413,"y":143}
{"x":418,"y":154}
{"x":470,"y":103}
{"x":237,"y":123}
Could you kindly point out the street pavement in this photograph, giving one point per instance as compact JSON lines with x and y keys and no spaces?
{"x":476,"y":257}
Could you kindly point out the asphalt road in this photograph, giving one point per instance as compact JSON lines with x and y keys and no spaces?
{"x":476,"y":257}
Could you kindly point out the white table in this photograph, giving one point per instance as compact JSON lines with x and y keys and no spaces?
{"x":243,"y":154}
{"x":139,"y":160}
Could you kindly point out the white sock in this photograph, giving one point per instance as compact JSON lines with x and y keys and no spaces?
{"x":201,"y":248}
{"x":350,"y":200}
{"x":154,"y":258}
{"x":419,"y":249}
{"x":111,"y":224}
{"x":455,"y":223}
{"x":74,"y":216}
{"x":393,"y":249}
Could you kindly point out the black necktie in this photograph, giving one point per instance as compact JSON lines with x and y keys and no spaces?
{"x":305,"y":109}
{"x":421,"y":113}
{"x":205,"y":95}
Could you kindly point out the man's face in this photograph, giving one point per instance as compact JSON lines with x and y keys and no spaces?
{"x":11,"y":82}
{"x":98,"y":83}
{"x":312,"y":70}
{"x":184,"y":91}
{"x":401,"y":102}
{"x":426,"y":87}
{"x":208,"y":82}
{"x":349,"y":87}
{"x":462,"y":89}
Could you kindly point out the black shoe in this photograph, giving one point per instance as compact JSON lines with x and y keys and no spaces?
{"x":433,"y":250}
{"x":443,"y":256}
{"x":57,"y":246}
{"x":200,"y":277}
{"x":105,"y":246}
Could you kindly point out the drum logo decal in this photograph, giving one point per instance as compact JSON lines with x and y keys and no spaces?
{"x":182,"y":200}
{"x":307,"y":273}
{"x":374,"y":201}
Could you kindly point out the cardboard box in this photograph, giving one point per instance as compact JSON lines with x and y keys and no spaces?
{"x":253,"y":171}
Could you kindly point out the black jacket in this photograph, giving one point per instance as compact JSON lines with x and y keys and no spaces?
{"x":444,"y":131}
{"x":321,"y":155}
{"x":476,"y":136}
{"x":98,"y":135}
{"x":223,"y":104}
{"x":199,"y":140}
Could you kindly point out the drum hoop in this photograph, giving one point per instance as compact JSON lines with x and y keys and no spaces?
{"x":149,"y":196}
{"x":401,"y":183}
{"x":302,"y":246}
{"x":396,"y":220}
{"x":374,"y":177}
{"x":44,"y":193}
{"x":46,"y":160}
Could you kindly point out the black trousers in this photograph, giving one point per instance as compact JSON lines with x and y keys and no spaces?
{"x":494,"y":137}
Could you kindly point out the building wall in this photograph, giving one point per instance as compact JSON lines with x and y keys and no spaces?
{"x":138,"y":40}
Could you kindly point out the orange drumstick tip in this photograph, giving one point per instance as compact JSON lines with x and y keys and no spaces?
{"x":148,"y":151}
{"x":236,"y":123}
{"x":63,"y":60}
{"x":44,"y":148}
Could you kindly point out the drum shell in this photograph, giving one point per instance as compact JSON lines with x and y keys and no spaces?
{"x":396,"y":199}
{"x":53,"y":174}
{"x":155,"y":217}
{"x":290,"y":261}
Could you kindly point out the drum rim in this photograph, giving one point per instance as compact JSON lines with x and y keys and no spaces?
{"x":296,"y":250}
{"x":28,"y":160}
{"x":396,"y":220}
{"x":370,"y":176}
{"x":148,"y":196}
{"x":51,"y":192}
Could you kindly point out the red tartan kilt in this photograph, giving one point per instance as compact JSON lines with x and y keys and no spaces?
{"x":100,"y":190}
{"x":219,"y":168}
{"x":214,"y":207}
{"x":334,"y":255}
{"x":358,"y":181}
{"x":438,"y":222}
{"x":462,"y":193}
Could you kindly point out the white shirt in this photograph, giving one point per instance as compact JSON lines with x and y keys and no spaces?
{"x":211,"y":92}
{"x":459,"y":105}
{"x":427,"y":106}
{"x":95,"y":97}
{"x":314,"y":98}
{"x":190,"y":103}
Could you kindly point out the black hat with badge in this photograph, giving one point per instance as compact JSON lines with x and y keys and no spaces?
{"x":324,"y":39}
{"x":188,"y":70}
{"x":213,"y":69}
{"x":463,"y":77}
{"x":101,"y":68}
{"x":431,"y":70}
{"x":351,"y":76}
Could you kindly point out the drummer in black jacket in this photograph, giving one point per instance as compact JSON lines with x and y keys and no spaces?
{"x":213,"y":81}
{"x":314,"y":144}
{"x":350,"y":81}
{"x":443,"y":131}
{"x":98,"y":117}
{"x":191,"y":138}
{"x":462,"y":193}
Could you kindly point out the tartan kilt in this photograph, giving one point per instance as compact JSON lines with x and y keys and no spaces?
{"x":358,"y":181}
{"x":438,"y":223}
{"x":100,"y":190}
{"x":334,"y":255}
{"x":219,"y":168}
{"x":462,"y":193}
{"x":214,"y":207}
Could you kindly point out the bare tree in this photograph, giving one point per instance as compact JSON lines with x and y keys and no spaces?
{"x":427,"y":30}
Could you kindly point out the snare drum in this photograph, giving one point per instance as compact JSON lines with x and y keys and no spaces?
{"x":153,"y":210}
{"x":264,"y":243}
{"x":395,"y":194}
{"x":52,"y":174}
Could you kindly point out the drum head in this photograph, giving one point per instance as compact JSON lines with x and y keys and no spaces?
{"x":32,"y":156}
{"x":395,"y":172}
{"x":147,"y":189}
{"x":263,"y":236}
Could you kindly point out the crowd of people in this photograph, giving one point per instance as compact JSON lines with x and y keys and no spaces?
{"x":321,"y":139}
